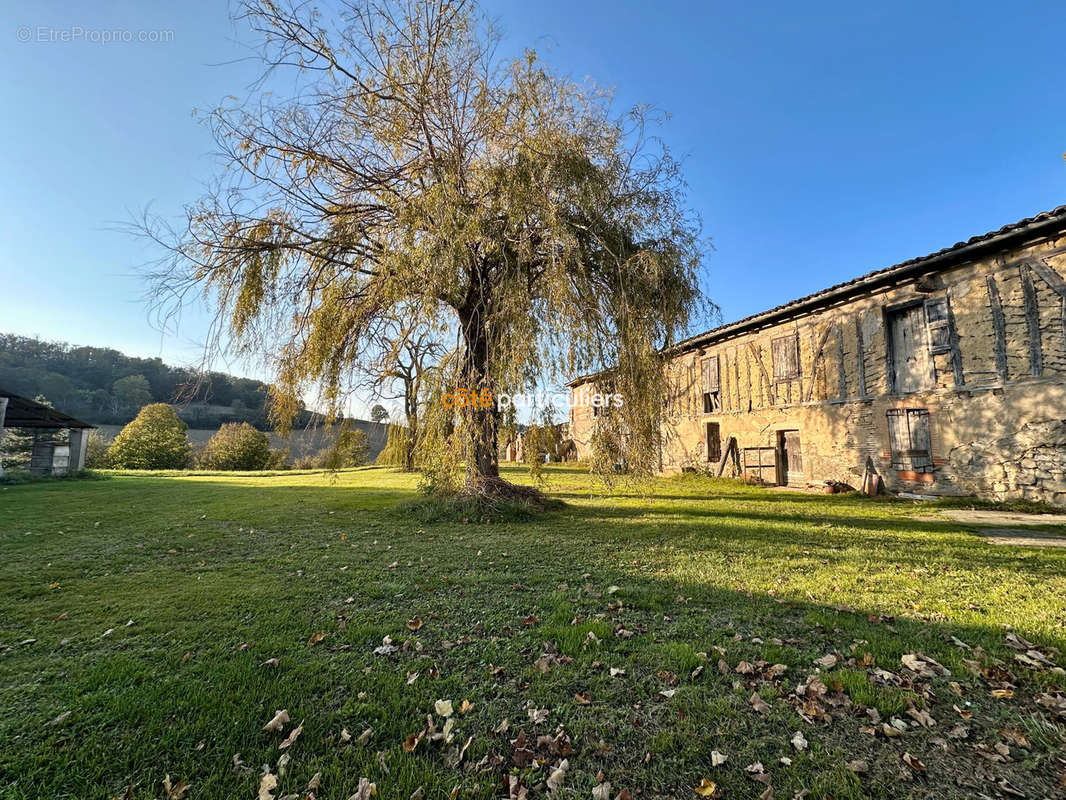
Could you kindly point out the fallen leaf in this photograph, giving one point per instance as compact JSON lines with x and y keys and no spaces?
{"x":366,"y":790}
{"x":921,"y":716}
{"x":315,"y":782}
{"x":583,"y":699}
{"x":270,"y":662}
{"x":913,"y":763}
{"x":414,"y":623}
{"x":444,"y":708}
{"x":465,"y":706}
{"x":707,"y":788}
{"x":858,"y":766}
{"x":798,"y":741}
{"x":364,"y":737}
{"x":278,"y":721}
{"x":174,"y":791}
{"x":717,"y":759}
{"x":316,"y":637}
{"x":758,"y":704}
{"x":294,"y":734}
{"x":601,"y":791}
{"x":61,"y":717}
{"x":827,"y":661}
{"x":558,"y":775}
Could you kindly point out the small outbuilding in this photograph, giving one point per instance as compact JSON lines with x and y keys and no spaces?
{"x":48,"y":456}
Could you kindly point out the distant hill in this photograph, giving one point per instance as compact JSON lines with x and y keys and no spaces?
{"x":106,"y":387}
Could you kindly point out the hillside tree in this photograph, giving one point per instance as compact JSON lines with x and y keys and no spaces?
{"x":409,"y":165}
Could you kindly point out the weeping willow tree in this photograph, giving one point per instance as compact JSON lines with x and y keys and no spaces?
{"x":408,"y":166}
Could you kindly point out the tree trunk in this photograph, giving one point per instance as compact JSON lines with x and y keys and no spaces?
{"x":483,"y":461}
{"x":409,"y":440}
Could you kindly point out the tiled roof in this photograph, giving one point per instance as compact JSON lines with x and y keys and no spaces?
{"x":1046,"y":221}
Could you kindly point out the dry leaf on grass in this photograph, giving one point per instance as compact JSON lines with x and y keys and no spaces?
{"x":707,"y":788}
{"x":316,"y":637}
{"x":294,"y":734}
{"x":758,"y":704}
{"x":798,"y":741}
{"x":558,"y":775}
{"x":174,"y":791}
{"x":414,"y":623}
{"x":268,"y":782}
{"x":913,"y":763}
{"x":366,"y":790}
{"x":444,"y":708}
{"x":278,"y":721}
{"x":717,"y":759}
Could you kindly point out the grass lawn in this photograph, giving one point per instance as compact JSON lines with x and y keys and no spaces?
{"x":628,"y":635}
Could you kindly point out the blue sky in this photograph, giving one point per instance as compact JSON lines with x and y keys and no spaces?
{"x":819,"y":140}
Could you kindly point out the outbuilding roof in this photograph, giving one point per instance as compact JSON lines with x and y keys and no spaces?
{"x":1045,"y":223}
{"x":25,"y":413}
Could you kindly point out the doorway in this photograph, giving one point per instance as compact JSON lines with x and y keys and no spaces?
{"x":789,"y":458}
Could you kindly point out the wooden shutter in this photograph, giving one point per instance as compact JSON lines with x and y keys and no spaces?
{"x":785,"y":350}
{"x":938,"y":322}
{"x":709,"y":367}
{"x":910,"y":442}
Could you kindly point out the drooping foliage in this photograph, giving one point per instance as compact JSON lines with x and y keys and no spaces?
{"x":413,"y":168}
{"x":154,"y":440}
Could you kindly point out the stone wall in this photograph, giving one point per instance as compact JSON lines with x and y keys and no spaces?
{"x":995,"y":389}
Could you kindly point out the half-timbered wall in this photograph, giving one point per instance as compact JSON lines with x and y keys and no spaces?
{"x":974,"y":359}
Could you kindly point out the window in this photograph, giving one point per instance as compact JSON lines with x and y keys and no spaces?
{"x":908,"y":433}
{"x":714,"y":442}
{"x":938,"y":323}
{"x":709,"y":370}
{"x":786,"y":357}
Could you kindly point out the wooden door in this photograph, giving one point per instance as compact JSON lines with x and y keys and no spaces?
{"x":912,"y":367}
{"x":790,"y":457}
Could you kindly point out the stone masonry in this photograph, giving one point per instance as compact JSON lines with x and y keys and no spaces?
{"x":946,"y":374}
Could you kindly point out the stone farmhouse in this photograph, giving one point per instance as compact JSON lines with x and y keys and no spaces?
{"x":941,"y":375}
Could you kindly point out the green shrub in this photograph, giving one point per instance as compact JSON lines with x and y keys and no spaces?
{"x":279,"y":459}
{"x":154,"y":440}
{"x":351,"y":449}
{"x":236,"y":446}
